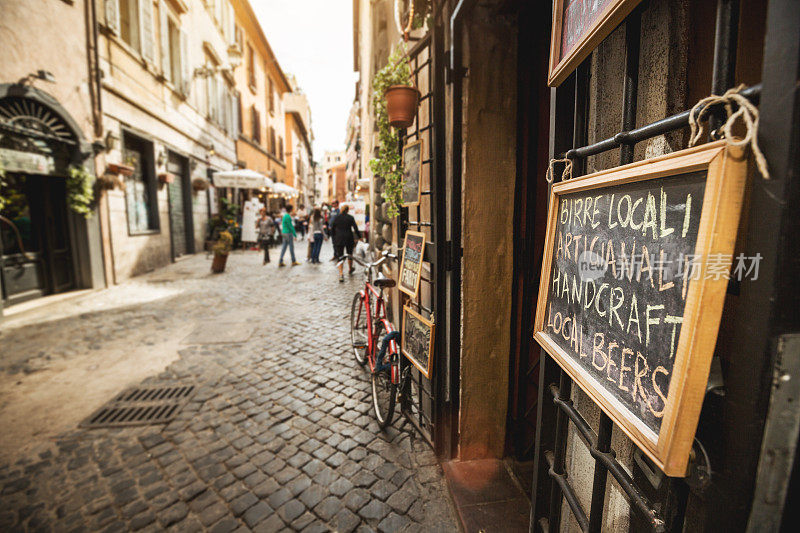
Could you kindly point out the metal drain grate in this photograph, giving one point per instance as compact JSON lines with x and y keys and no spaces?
{"x":140,"y":406}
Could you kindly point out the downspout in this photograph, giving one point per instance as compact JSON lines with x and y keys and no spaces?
{"x":456,"y":76}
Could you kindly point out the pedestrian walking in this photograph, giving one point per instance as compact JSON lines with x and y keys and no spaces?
{"x":332,"y":214}
{"x":343,"y":228}
{"x":317,"y":228}
{"x":266,"y":228}
{"x":289,"y":234}
{"x":301,"y":220}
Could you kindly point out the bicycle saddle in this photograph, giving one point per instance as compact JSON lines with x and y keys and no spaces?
{"x":384,"y":282}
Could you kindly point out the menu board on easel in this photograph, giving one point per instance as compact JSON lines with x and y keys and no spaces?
{"x":632,"y":289}
{"x":411,"y":266}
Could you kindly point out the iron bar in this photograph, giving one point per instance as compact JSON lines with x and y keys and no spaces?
{"x":725,"y":41}
{"x":560,"y":446}
{"x":654,"y":129}
{"x":569,"y":494}
{"x":609,"y":461}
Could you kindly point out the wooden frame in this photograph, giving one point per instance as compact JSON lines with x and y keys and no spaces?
{"x":425,"y":371}
{"x":560,"y":67}
{"x":726,"y":169}
{"x":403,"y":264}
{"x":407,"y":147}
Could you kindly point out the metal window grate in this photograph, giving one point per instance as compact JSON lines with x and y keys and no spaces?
{"x":141,"y":406}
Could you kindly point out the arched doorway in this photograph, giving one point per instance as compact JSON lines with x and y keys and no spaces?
{"x":38,"y":143}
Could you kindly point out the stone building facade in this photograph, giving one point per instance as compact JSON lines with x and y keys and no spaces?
{"x":169,"y":118}
{"x":49,"y":122}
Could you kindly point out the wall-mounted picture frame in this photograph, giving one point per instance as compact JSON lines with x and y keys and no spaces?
{"x":631,"y":292}
{"x":417,"y":340}
{"x":578,"y":28}
{"x":412,"y":173}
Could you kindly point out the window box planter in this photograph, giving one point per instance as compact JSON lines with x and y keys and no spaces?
{"x":120,"y":169}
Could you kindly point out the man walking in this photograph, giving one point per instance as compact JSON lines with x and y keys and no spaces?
{"x":344,"y":226}
{"x":289,"y":234}
{"x":334,"y":212}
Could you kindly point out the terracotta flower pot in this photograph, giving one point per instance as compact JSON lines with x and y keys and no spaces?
{"x":218,"y":264}
{"x":401,"y":105}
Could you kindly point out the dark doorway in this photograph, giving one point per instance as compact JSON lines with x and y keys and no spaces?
{"x":36,"y":253}
{"x":180,"y":206}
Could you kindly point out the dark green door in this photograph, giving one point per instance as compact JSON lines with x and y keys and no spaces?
{"x":179,"y":207}
{"x":36,"y":252}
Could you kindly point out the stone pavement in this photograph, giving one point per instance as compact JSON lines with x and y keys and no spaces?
{"x":278,"y":437}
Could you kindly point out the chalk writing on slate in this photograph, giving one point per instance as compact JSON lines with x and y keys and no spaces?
{"x":623,"y":258}
{"x":410,"y":268}
{"x":416,"y":340}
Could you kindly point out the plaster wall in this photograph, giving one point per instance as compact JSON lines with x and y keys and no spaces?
{"x":266,"y":68}
{"x":661,"y":92}
{"x":63,"y":53}
{"x":488,"y":200}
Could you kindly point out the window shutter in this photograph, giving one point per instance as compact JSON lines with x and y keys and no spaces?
{"x":146,"y":26}
{"x":186,"y":72}
{"x":112,"y":15}
{"x":231,"y":29}
{"x":165,"y":62}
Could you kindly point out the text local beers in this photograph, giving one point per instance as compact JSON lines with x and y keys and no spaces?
{"x":618,"y":286}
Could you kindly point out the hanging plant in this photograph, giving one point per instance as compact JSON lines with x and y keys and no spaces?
{"x":80,"y":193}
{"x":387,"y":163}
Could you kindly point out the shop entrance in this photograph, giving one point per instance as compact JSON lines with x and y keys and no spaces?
{"x":36,"y":254}
{"x":180,"y":207}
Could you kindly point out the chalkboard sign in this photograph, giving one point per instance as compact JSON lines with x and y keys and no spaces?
{"x":412,"y":171}
{"x":417,"y":340}
{"x":411,"y":266}
{"x":578,"y":28}
{"x":626,"y":303}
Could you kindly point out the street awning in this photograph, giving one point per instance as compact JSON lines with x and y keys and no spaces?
{"x":242,"y":178}
{"x":282,"y":188}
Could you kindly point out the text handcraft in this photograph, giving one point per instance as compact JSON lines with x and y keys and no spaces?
{"x":621,"y":307}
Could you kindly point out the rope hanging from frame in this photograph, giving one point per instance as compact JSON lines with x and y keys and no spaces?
{"x":565,"y":174}
{"x":747,"y":112}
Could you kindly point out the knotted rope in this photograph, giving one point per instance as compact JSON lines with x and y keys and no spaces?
{"x":747,"y":112}
{"x":565,"y":175}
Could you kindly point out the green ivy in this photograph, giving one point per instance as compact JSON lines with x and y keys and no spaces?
{"x":387,"y":164}
{"x":80,"y":193}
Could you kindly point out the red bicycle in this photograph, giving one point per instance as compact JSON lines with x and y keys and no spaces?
{"x":375,"y":340}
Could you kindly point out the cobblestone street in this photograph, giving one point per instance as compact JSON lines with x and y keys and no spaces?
{"x":278,"y":436}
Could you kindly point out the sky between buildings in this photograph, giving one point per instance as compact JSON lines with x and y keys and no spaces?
{"x":313,"y":39}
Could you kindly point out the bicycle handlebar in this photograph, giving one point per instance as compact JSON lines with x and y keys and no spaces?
{"x":374,"y":264}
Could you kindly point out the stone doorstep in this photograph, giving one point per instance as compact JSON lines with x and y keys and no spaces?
{"x":486,"y":497}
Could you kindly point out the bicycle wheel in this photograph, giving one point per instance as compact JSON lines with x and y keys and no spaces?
{"x":358,"y":329}
{"x":384,"y":392}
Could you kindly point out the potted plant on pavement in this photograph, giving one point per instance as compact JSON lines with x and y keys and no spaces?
{"x":396,"y":73}
{"x":221,"y":250}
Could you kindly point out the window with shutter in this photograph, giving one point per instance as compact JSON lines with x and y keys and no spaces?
{"x":112,"y":15}
{"x":164,"y":41}
{"x":239,"y":117}
{"x":129,"y":14}
{"x":146,"y":18}
{"x":231,"y":28}
{"x":186,"y":73}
